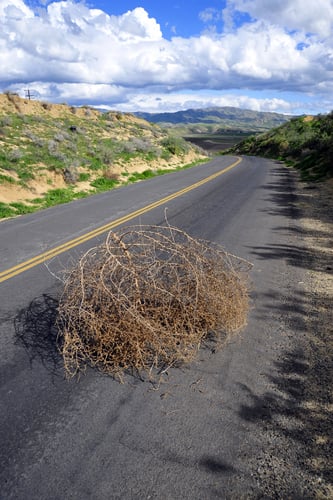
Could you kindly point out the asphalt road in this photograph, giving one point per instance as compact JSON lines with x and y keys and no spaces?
{"x":203,"y":432}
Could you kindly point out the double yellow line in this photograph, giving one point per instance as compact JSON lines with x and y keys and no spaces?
{"x":38,"y":259}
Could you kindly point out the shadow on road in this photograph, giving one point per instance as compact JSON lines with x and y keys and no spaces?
{"x":216,"y":466}
{"x":289,"y":201}
{"x":297,"y":256}
{"x":298,"y":407}
{"x":36,"y":331}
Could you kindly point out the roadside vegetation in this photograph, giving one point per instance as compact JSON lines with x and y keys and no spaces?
{"x":52,"y":154}
{"x":305,"y":142}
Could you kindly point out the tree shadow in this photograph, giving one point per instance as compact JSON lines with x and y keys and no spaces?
{"x":36,"y":330}
{"x":207,"y":463}
{"x":212,"y":465}
{"x":289,"y":411}
{"x":291,"y":200}
{"x":297,"y":255}
{"x":311,"y":247}
{"x":282,"y":194}
{"x":295,"y":413}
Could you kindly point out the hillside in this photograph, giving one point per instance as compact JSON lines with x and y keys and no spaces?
{"x":51,"y":154}
{"x":216,"y":120}
{"x":305,"y":142}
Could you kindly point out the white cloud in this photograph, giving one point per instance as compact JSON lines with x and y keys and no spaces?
{"x":156,"y":103}
{"x":77,"y":19}
{"x":312,"y":16}
{"x":15,"y":9}
{"x":68,"y":51}
{"x":266,"y":53}
{"x":210,"y":15}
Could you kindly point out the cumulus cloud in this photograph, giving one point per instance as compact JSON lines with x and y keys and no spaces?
{"x":16,"y":9}
{"x":157,"y":103}
{"x":68,"y":51}
{"x":210,"y":15}
{"x":311,"y":16}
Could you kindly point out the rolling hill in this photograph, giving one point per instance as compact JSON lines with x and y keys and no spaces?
{"x":217,"y":119}
{"x":305,"y":142}
{"x":53,"y":153}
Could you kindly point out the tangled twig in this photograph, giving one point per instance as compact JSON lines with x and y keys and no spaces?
{"x":147,"y":298}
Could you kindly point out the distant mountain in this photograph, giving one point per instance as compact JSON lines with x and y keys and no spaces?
{"x":217,"y":119}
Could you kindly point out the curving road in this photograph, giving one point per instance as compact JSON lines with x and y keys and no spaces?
{"x":203,"y":433}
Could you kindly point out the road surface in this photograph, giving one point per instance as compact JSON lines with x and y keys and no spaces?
{"x":205,"y":431}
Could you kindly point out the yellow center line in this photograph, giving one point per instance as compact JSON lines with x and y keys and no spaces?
{"x":38,"y":259}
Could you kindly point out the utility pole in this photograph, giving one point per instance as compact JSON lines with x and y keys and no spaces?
{"x":28,"y":94}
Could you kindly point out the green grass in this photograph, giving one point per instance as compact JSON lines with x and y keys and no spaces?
{"x":7,"y":178}
{"x":61,"y":195}
{"x":6,"y":210}
{"x":22,"y":208}
{"x":126,"y":156}
{"x":84,"y":177}
{"x":146,"y":174}
{"x":151,"y":156}
{"x":25,"y":175}
{"x":104,"y":184}
{"x":57,"y":196}
{"x":96,"y":164}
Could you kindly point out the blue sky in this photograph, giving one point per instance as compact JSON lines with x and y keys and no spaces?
{"x":152,"y":55}
{"x":174,"y":16}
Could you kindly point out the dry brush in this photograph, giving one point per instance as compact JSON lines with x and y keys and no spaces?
{"x":147,"y":298}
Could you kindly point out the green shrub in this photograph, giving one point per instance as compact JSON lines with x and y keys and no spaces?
{"x":70,"y":174}
{"x":58,"y":196}
{"x":22,"y":208}
{"x":15,"y":155}
{"x":83,"y":177}
{"x":6,"y":210}
{"x":6,"y":121}
{"x":104,"y":183}
{"x":146,"y":174}
{"x":175,"y":145}
{"x":6,"y":178}
{"x":95,"y":164}
{"x":25,"y":175}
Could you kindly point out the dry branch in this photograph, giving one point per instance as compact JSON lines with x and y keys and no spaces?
{"x":147,"y":298}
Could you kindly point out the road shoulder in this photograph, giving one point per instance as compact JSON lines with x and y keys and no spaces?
{"x":296,"y":460}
